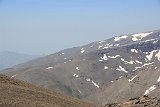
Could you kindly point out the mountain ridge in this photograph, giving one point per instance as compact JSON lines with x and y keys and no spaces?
{"x":108,"y":71}
{"x":9,"y":59}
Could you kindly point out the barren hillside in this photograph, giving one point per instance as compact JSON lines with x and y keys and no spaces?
{"x":15,"y":93}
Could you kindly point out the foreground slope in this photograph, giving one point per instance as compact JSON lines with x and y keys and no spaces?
{"x":102,"y":72}
{"x":143,"y":101}
{"x":15,"y":93}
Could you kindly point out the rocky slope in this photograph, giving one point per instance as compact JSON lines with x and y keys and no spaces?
{"x":102,"y":72}
{"x":143,"y":101}
{"x":15,"y":93}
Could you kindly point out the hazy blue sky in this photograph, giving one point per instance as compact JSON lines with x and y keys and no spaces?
{"x":47,"y":26}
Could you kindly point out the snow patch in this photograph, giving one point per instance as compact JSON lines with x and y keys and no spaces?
{"x":116,"y":45}
{"x":155,"y":41}
{"x":158,"y":55}
{"x":61,"y":54}
{"x":13,"y":76}
{"x":101,"y":42}
{"x":95,"y":84}
{"x":131,"y":62}
{"x":114,"y":56}
{"x":100,"y":60}
{"x":120,"y":76}
{"x":104,"y":57}
{"x":75,"y":75}
{"x":146,"y":64}
{"x":158,"y":80}
{"x":149,"y":40}
{"x":105,"y":67}
{"x":134,"y":50}
{"x":106,"y":47}
{"x":121,"y":69}
{"x":132,"y":78}
{"x":79,"y":91}
{"x":107,"y":44}
{"x":49,"y":67}
{"x":82,"y":50}
{"x":138,"y":62}
{"x":88,"y":79}
{"x":139,"y":36}
{"x":77,"y":68}
{"x":149,"y":57}
{"x":100,"y":46}
{"x":153,"y":87}
{"x":120,"y":37}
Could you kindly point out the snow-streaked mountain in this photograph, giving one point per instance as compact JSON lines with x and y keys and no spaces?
{"x":108,"y":71}
{"x":9,"y":59}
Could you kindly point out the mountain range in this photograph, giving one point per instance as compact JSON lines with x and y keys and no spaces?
{"x":101,"y":73}
{"x":9,"y":59}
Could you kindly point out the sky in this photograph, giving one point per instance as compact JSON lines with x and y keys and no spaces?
{"x":47,"y":26}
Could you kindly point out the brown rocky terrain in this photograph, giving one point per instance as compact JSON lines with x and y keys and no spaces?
{"x":143,"y":101}
{"x":14,"y":93}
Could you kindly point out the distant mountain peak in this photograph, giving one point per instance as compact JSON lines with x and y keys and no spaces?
{"x":9,"y":59}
